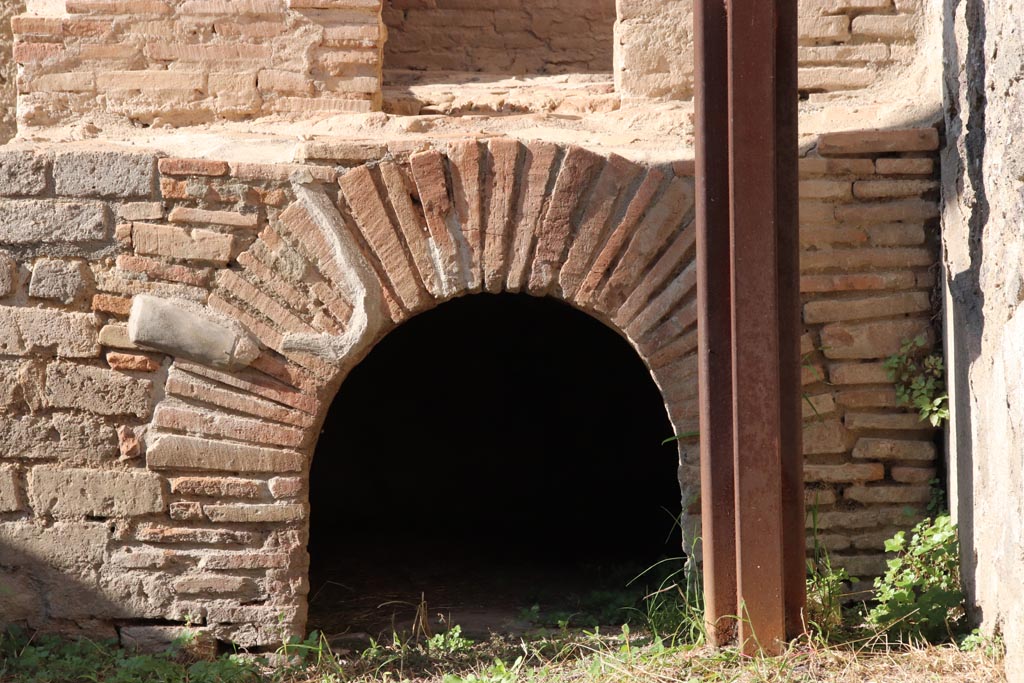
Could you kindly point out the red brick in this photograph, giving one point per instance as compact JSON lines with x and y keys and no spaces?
{"x":579,"y":169}
{"x":258,"y":384}
{"x":502,"y":160}
{"x":172,"y":451}
{"x":540,"y":161}
{"x":192,"y":387}
{"x":115,"y":305}
{"x":868,"y":258}
{"x":847,"y":472}
{"x":877,"y":495}
{"x":185,"y":418}
{"x":891,"y":449}
{"x":400,"y":191}
{"x":857,"y":282}
{"x":156,"y":533}
{"x":914,"y":166}
{"x":881,"y":306}
{"x":181,"y":214}
{"x":199,"y":277}
{"x":381,"y":234}
{"x":871,"y":340}
{"x":136,"y":362}
{"x":203,"y":167}
{"x":912,"y":475}
{"x":887,"y":422}
{"x":219,"y":487}
{"x":616,"y":177}
{"x":200,"y":245}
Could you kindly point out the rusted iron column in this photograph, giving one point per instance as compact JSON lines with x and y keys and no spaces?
{"x":755,"y":92}
{"x":714,"y":330}
{"x":790,"y":323}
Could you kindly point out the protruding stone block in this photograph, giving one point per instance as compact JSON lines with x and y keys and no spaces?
{"x":59,"y":280}
{"x":180,"y":328}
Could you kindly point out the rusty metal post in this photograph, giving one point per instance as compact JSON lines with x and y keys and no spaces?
{"x":714,"y":327}
{"x":757,"y":410}
{"x":787,"y":207}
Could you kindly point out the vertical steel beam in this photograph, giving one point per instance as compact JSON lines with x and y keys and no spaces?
{"x":714,"y":327}
{"x":787,"y":208}
{"x":756,"y":382}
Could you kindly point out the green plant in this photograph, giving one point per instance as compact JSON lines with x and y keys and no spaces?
{"x":451,"y":642}
{"x":920,"y":382}
{"x":920,"y":596}
{"x":826,"y":586}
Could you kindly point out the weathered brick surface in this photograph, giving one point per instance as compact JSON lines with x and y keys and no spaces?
{"x":171,"y":451}
{"x":224,"y":488}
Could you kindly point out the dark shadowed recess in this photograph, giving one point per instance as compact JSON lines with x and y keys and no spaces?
{"x":492,"y":454}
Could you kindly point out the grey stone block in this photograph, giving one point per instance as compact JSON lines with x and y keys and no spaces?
{"x":22,"y":173}
{"x":56,"y":279}
{"x":104,"y":174}
{"x":30,"y":221}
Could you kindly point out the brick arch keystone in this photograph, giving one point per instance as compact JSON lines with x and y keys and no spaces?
{"x":338,"y":268}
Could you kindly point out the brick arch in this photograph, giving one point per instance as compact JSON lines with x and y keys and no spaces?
{"x":337,"y":269}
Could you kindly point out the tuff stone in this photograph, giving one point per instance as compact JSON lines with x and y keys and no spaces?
{"x":70,"y":493}
{"x":29,"y":221}
{"x":178,"y":328}
{"x":10,"y":489}
{"x":22,"y":173}
{"x":97,"y":390}
{"x":42,"y":331}
{"x":56,"y":279}
{"x":8,"y":274}
{"x":104,"y":174}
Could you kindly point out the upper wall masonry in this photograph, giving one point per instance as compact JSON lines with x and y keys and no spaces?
{"x":185,"y":62}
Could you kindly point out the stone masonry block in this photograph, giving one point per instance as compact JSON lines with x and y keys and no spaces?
{"x":59,"y":280}
{"x":180,"y":329}
{"x":104,"y":174}
{"x":8,"y":274}
{"x":22,"y":173}
{"x":37,"y":330}
{"x":97,"y":390}
{"x":30,"y":221}
{"x":71,"y":493}
{"x":10,"y":489}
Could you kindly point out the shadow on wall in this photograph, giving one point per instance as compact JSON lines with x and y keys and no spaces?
{"x":966,"y":324}
{"x":58,"y":578}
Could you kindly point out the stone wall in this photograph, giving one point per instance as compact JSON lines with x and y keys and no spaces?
{"x":500,"y":36}
{"x":8,"y":71}
{"x":983,"y":234}
{"x":191,"y":61}
{"x":172,"y":332}
{"x":181,"y":62}
{"x":845,"y":45}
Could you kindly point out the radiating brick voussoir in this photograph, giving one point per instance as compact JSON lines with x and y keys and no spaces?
{"x":465,"y":165}
{"x":400,"y":191}
{"x":380,"y":233}
{"x":428,"y":171}
{"x":611,"y":190}
{"x":554,"y":234}
{"x":503,"y":158}
{"x":541,"y":161}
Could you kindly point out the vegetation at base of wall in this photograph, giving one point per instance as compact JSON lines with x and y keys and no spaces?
{"x":920,"y":380}
{"x":919,"y":597}
{"x":912,"y":632}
